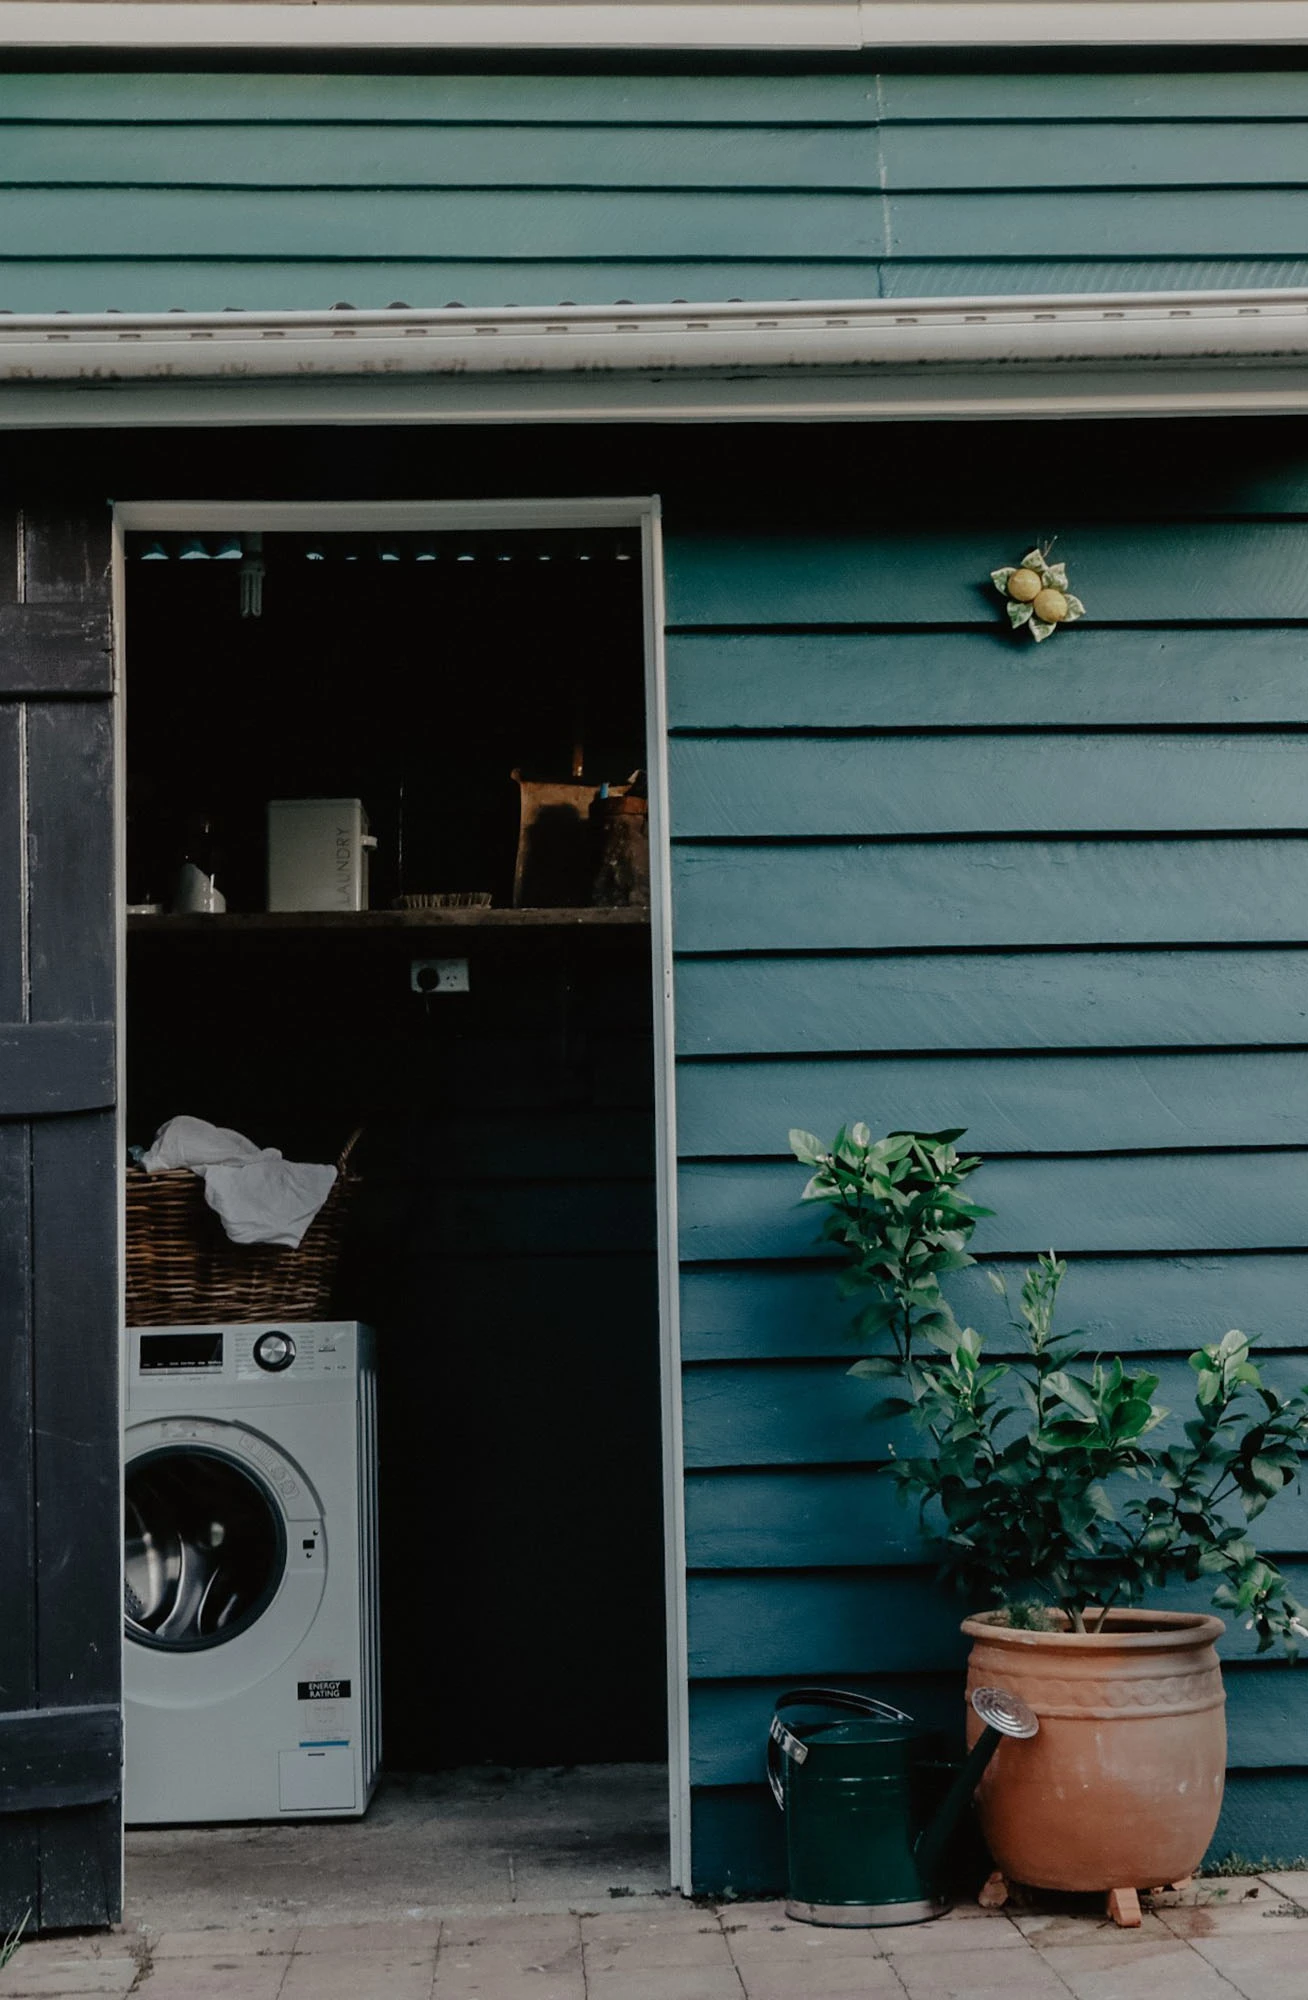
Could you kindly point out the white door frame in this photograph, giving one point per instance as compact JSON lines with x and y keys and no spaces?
{"x":397,"y":517}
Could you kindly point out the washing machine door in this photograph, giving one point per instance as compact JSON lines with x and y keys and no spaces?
{"x":224,"y":1559}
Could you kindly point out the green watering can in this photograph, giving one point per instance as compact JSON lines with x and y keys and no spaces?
{"x":866,"y":1830}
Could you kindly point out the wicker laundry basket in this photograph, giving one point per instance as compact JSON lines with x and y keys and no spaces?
{"x":183,"y":1269}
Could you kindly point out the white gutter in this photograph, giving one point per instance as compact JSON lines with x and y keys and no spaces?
{"x":1133,"y":353}
{"x":1161,"y":327}
{"x":832,"y":25}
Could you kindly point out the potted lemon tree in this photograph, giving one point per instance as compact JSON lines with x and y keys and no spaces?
{"x":1063,"y":1514}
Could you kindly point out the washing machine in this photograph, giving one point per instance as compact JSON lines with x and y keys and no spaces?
{"x":250,"y":1573}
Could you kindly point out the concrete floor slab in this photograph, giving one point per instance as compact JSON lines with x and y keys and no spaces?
{"x":430,"y":1845}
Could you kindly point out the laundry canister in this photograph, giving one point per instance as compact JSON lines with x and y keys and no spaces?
{"x":857,"y":1787}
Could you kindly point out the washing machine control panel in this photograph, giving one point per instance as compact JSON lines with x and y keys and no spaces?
{"x":260,"y":1351}
{"x":289,"y":1360}
{"x":273,"y":1351}
{"x":165,"y":1353}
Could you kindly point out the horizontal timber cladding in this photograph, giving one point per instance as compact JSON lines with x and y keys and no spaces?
{"x":1127,"y":1201}
{"x":828,"y":1517}
{"x":805,"y":1413}
{"x":930,"y":875}
{"x":808,"y":1003}
{"x":762,"y":787}
{"x":782,"y":1312}
{"x":833,"y":895}
{"x":1009,"y":1104}
{"x":264,"y":191}
{"x":814,"y":1622}
{"x":1158,"y":573}
{"x":730,"y":1718}
{"x":956,"y":679}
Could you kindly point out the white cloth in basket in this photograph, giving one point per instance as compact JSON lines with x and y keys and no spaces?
{"x":257,"y":1195}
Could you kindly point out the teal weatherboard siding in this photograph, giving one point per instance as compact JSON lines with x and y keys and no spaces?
{"x":927,"y":875}
{"x":923,"y":873}
{"x":262,"y":191}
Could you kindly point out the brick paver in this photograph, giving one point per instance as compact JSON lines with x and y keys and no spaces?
{"x":1242,"y":1939}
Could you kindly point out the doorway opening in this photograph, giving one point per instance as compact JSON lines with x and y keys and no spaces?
{"x":477,"y":1003}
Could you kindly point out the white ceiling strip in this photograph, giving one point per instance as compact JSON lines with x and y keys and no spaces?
{"x":647,"y":24}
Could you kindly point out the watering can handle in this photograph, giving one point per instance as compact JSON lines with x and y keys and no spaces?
{"x":781,"y":1739}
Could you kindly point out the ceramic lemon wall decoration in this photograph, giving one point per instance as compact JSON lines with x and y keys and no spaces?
{"x":1037,"y":594}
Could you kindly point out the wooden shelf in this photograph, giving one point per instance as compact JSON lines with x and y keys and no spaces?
{"x":272,"y":924}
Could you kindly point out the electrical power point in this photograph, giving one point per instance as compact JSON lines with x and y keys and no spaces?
{"x":438,"y":975}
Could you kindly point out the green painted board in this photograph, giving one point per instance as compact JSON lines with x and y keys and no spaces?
{"x":729,"y":1719}
{"x":820,"y":1624}
{"x":992,"y":1000}
{"x":982,"y":678}
{"x":1094,"y":782}
{"x":1131,"y":1305}
{"x":737,"y":1842}
{"x":798,"y":1413}
{"x":196,"y":282}
{"x":1266,"y":1707}
{"x":437,"y":157}
{"x":1015,"y":1104}
{"x":270,"y":98}
{"x":1269,"y":91}
{"x":1154,"y":1202}
{"x":739,"y":1849}
{"x":531,"y":224}
{"x":990,"y":273}
{"x":764,"y":896}
{"x":1134,"y":222}
{"x":1262,"y":1820}
{"x":803,"y":1517}
{"x":1109,"y":154}
{"x":1155,"y":573}
{"x":795,"y":1625}
{"x":829,"y":1516}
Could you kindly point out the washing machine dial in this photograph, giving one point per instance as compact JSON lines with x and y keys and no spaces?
{"x":274,"y":1351}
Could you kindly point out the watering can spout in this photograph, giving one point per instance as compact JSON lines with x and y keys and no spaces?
{"x":1002,"y":1714}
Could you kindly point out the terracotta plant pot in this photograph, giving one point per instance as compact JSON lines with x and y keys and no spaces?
{"x":1122,"y":1787}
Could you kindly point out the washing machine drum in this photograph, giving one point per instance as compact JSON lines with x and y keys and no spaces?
{"x":204,"y":1548}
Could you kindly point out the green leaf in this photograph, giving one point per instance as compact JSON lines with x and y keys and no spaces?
{"x":1075,"y":1394}
{"x":1019,"y":614}
{"x":873,"y":1367}
{"x":806,"y":1147}
{"x":1040,"y":629}
{"x":876,"y":1316}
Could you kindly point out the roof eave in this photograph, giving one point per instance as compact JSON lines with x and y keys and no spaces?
{"x":1159,"y":353}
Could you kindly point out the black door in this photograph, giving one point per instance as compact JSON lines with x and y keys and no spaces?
{"x":60,"y":1608}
